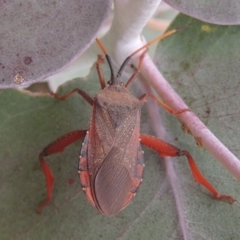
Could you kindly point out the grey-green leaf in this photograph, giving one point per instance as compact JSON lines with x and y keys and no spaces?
{"x":214,"y":11}
{"x":40,"y":38}
{"x":29,"y":123}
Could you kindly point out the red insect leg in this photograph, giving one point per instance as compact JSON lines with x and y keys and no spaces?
{"x":55,"y":147}
{"x":166,"y":149}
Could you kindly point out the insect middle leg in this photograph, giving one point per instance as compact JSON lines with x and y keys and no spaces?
{"x":166,"y":149}
{"x":165,"y":106}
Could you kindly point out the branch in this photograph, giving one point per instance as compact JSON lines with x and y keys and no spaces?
{"x":200,"y":132}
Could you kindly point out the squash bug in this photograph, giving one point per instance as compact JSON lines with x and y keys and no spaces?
{"x":111,"y":159}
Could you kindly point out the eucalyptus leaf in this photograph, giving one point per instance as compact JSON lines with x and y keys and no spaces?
{"x":215,"y":11}
{"x":38,"y":39}
{"x":30,"y":122}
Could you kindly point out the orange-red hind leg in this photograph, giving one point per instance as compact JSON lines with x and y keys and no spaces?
{"x":57,"y":146}
{"x":166,"y":149}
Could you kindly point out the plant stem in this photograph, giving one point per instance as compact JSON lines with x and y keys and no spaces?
{"x":192,"y":123}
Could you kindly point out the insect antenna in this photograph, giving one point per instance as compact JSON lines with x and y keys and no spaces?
{"x":146,"y":46}
{"x":112,"y":79}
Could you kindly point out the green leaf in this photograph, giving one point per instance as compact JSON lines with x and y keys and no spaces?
{"x":202,"y":64}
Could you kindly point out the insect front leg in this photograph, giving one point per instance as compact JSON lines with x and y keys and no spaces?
{"x":129,"y":82}
{"x":99,"y":71}
{"x":55,"y":147}
{"x":166,"y":149}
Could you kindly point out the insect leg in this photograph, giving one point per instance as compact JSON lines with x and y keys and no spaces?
{"x":129,"y":82}
{"x":166,"y":149}
{"x":165,"y":106}
{"x":57,"y":146}
{"x":145,"y":47}
{"x":79,"y":91}
{"x":99,"y":71}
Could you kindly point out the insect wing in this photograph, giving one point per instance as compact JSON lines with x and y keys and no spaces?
{"x":112,"y":184}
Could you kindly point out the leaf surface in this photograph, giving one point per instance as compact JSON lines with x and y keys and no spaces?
{"x":39,"y":39}
{"x":217,"y":11}
{"x":30,"y":122}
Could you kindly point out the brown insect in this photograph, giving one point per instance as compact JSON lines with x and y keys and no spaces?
{"x":111,"y":160}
